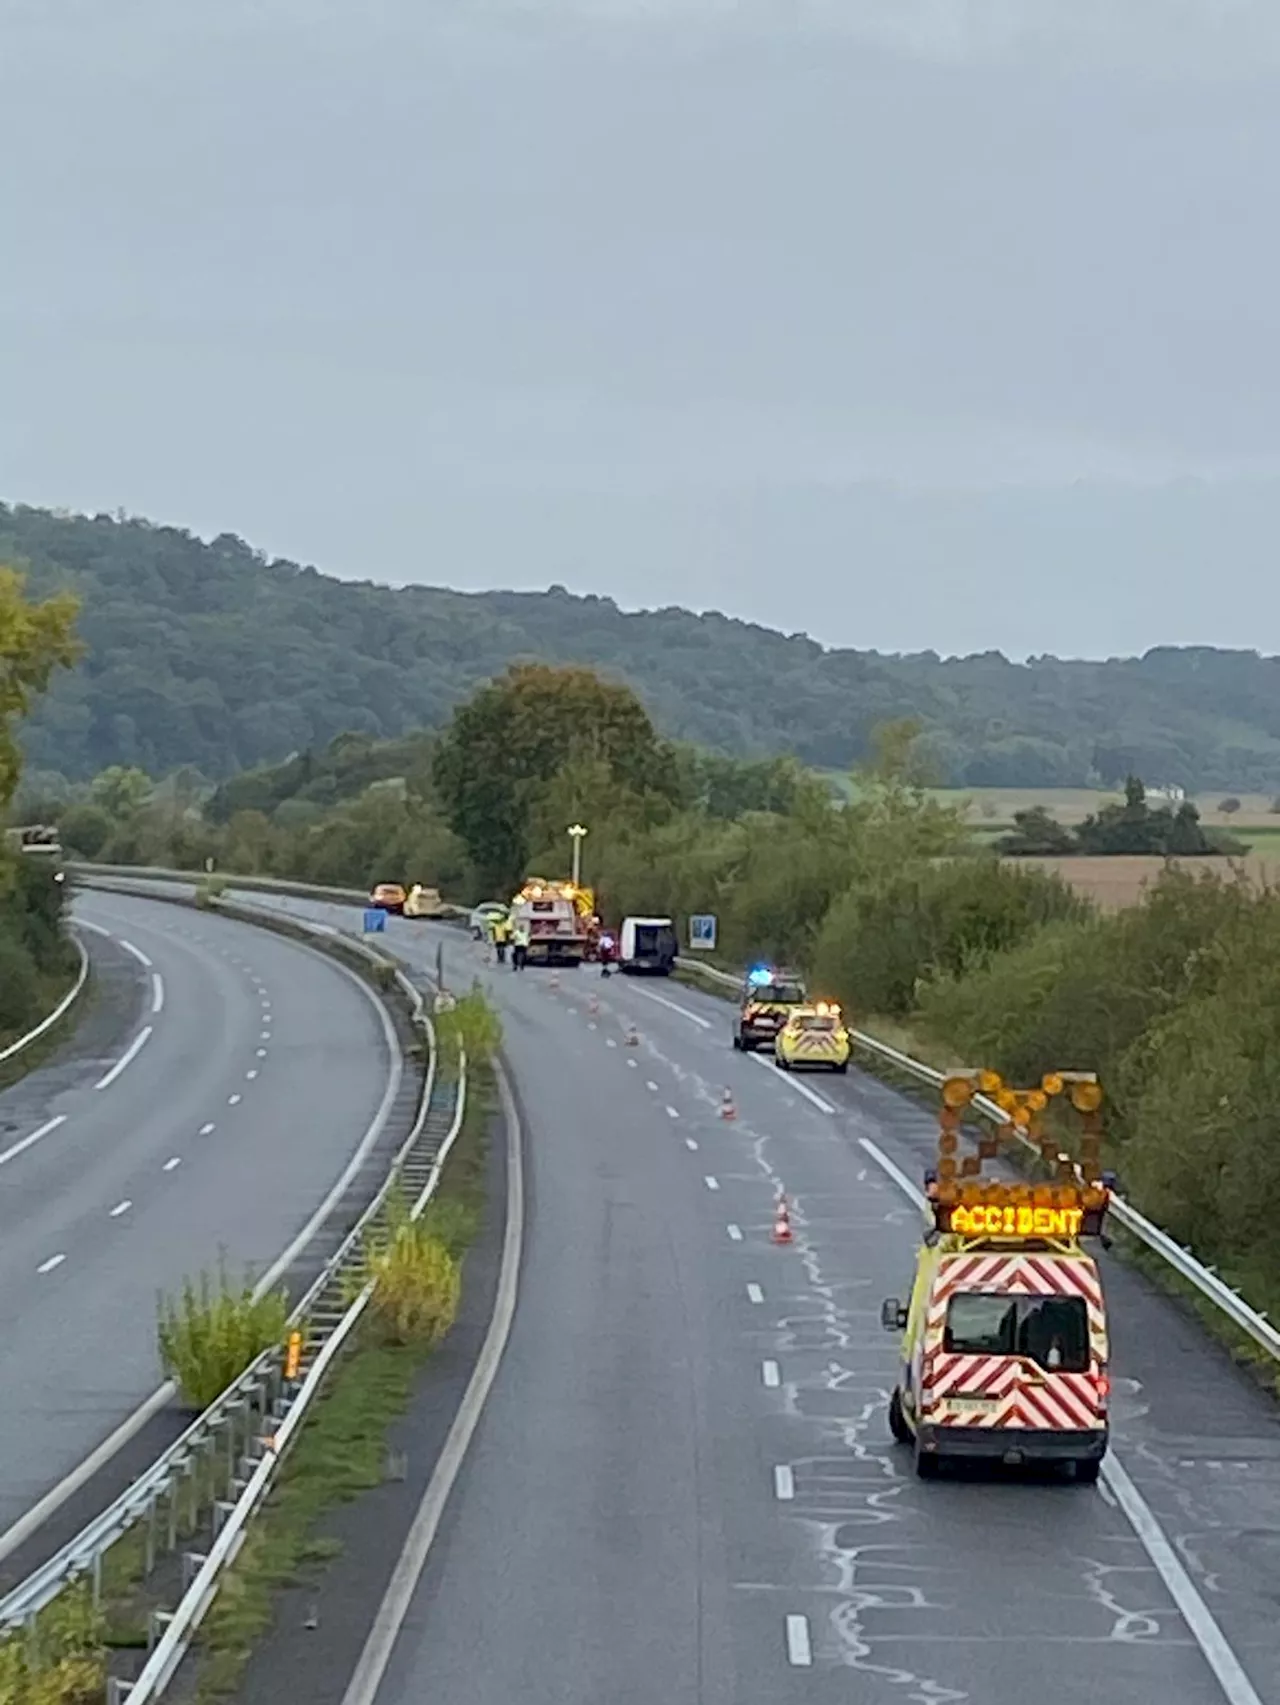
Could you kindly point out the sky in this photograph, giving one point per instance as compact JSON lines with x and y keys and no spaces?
{"x":913,"y":324}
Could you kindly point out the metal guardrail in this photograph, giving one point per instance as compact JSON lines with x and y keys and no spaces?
{"x":1211,"y":1285}
{"x":249,"y":884}
{"x":60,"y":1011}
{"x":233,"y":1424}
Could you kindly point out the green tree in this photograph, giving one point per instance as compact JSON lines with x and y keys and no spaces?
{"x":1037,"y":833}
{"x":85,"y":829}
{"x":121,"y":790}
{"x":35,"y":639}
{"x":517,"y":734}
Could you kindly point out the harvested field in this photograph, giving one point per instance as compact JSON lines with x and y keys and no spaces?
{"x":1114,"y":883}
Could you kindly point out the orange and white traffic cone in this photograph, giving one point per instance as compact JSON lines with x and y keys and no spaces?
{"x":782,"y":1222}
{"x":727,"y":1108}
{"x":633,"y":1036}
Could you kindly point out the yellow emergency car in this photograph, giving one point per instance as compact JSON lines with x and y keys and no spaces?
{"x":813,"y":1036}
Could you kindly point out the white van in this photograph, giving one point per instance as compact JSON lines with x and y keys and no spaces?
{"x":647,"y":945}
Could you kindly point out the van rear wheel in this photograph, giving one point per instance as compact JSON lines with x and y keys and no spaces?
{"x":897,"y":1420}
{"x":1086,"y":1472}
{"x":928,"y":1464}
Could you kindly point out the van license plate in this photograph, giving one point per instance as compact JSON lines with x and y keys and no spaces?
{"x":974,"y":1405}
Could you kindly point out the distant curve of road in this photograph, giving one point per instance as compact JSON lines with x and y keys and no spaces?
{"x":683,"y":1488}
{"x":220,"y":1082}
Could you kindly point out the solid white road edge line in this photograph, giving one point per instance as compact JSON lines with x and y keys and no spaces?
{"x":674,"y":1006}
{"x":376,"y":1655}
{"x":793,"y":1082}
{"x":137,"y":952}
{"x":799,"y":1651}
{"x":132,"y":1425}
{"x":49,"y":1125}
{"x":1236,"y":1687}
{"x":130,"y":1054}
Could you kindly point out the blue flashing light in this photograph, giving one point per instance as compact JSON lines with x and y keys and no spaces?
{"x":760,"y":976}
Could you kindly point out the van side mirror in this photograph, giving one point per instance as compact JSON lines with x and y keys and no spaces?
{"x":893,"y":1315}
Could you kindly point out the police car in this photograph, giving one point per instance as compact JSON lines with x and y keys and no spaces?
{"x":765,"y":1004}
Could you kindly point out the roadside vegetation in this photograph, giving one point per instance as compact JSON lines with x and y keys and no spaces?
{"x":37,"y":962}
{"x":211,"y":1331}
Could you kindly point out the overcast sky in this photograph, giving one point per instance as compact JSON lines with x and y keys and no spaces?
{"x":814,"y":311}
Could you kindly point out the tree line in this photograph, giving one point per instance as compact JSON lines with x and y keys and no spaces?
{"x":207,"y":654}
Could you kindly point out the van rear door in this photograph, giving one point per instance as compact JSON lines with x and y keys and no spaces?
{"x":1017,"y":1342}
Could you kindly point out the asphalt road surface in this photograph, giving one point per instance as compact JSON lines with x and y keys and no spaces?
{"x":683,"y":1487}
{"x":222,"y":1079}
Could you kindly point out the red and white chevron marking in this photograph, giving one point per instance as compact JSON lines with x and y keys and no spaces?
{"x":1023,"y":1395}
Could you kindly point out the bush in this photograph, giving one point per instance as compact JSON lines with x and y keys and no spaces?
{"x":1080,"y":995}
{"x":472,"y":1024}
{"x":66,"y":1662}
{"x":417,"y":1281}
{"x":882,"y":943}
{"x":211,"y":1332}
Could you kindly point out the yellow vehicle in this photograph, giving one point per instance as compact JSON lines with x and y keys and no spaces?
{"x":767,"y":997}
{"x":813,"y":1036}
{"x":1005,"y":1345}
{"x":423,"y":902}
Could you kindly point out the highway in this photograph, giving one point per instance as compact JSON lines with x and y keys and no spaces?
{"x":683,"y":1487}
{"x":220,"y":1083}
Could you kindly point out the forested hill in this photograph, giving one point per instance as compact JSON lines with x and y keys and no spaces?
{"x":208,"y":654}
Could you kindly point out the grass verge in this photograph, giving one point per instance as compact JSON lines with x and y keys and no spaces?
{"x":52,"y":990}
{"x":342,"y":1450}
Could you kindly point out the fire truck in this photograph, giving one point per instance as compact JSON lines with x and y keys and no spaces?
{"x":559,"y":917}
{"x":1005,"y":1343}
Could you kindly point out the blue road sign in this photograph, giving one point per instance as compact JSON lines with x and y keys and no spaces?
{"x":702,"y":932}
{"x":375,"y":921}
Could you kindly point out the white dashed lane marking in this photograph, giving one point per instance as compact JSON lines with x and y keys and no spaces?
{"x":735,"y":1232}
{"x":799,"y":1650}
{"x":50,"y":1264}
{"x":754,"y":1293}
{"x":711,"y":1183}
{"x":121,"y":1208}
{"x":233,"y":1101}
{"x":137,"y":952}
{"x":207,"y":1130}
{"x":130,"y":1054}
{"x":784,"y":1483}
{"x":173,"y":1161}
{"x":28,"y":1142}
{"x":771,"y":1375}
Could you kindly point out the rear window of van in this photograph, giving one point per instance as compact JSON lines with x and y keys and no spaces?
{"x":1051,"y":1331}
